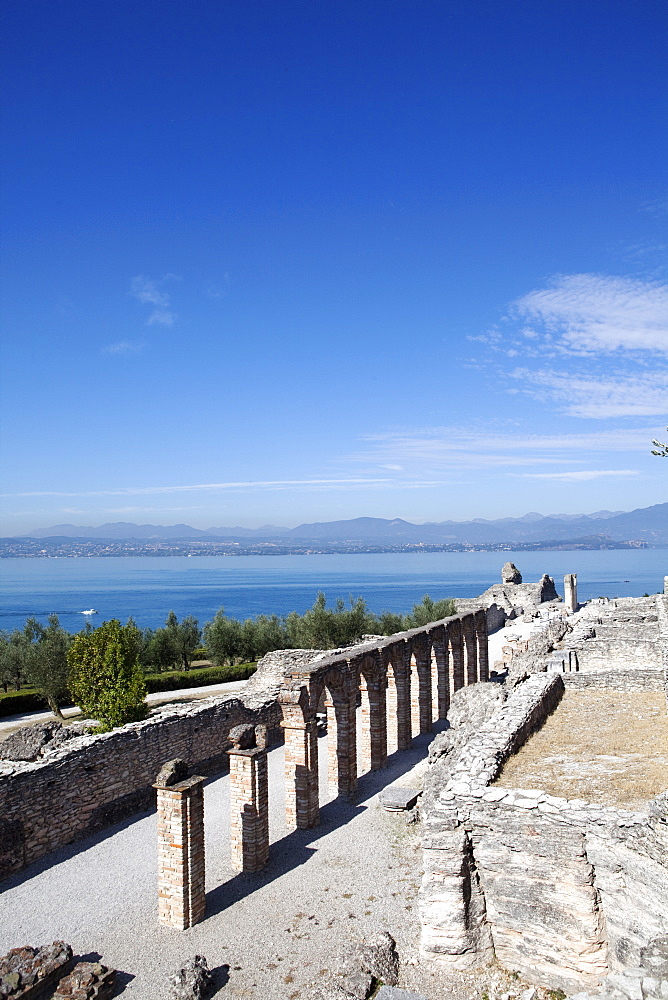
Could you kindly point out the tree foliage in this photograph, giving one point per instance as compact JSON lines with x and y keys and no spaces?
{"x":106,"y":679}
{"x":15,"y":653}
{"x":46,"y":664}
{"x":660,"y":448}
{"x":229,"y":640}
{"x":185,"y":637}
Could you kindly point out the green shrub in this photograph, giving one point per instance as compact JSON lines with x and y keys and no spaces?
{"x":106,"y":679}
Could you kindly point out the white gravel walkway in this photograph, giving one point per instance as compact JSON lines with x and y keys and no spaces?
{"x":323,"y":890}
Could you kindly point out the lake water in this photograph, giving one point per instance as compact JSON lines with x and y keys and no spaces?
{"x":147,"y":588}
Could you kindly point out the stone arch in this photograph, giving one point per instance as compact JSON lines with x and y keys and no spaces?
{"x":421,"y":697}
{"x":397,"y":696}
{"x":455,"y":654}
{"x":440,"y":679}
{"x":483,"y":652}
{"x":339,"y":685}
{"x":470,"y":648}
{"x":373,"y":713}
{"x":301,"y":757}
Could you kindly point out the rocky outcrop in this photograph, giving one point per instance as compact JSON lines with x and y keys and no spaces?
{"x":372,"y":964}
{"x":507,"y":601}
{"x":33,"y":742}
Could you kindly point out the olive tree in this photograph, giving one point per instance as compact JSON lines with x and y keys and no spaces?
{"x":185,"y":636}
{"x":105,"y":678}
{"x":46,"y":665}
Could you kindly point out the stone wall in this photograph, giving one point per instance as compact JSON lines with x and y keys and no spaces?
{"x":560,"y":890}
{"x":617,"y":680}
{"x":621,"y":635}
{"x":96,"y":780}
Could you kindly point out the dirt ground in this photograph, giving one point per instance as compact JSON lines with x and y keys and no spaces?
{"x":609,"y":747}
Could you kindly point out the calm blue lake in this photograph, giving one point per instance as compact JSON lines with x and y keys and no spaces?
{"x":147,"y":588}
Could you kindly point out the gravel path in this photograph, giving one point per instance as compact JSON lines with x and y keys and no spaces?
{"x":324,"y":888}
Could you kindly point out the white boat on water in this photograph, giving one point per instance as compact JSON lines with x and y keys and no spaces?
{"x":91,"y":611}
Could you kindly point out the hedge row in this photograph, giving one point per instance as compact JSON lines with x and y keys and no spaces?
{"x":17,"y":702}
{"x":174,"y":680}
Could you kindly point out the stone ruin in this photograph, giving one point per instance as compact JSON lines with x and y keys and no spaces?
{"x":570,"y":894}
{"x":565,"y":892}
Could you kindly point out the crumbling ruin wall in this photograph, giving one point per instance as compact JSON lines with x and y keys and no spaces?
{"x":560,"y":890}
{"x":620,"y":642}
{"x":507,"y":601}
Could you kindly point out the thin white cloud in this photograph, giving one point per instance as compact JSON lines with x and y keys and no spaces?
{"x":148,"y":291}
{"x":599,"y":396}
{"x":267,"y":485}
{"x":595,"y":313}
{"x":580,"y":475}
{"x":125,"y":347}
{"x":465,"y":445}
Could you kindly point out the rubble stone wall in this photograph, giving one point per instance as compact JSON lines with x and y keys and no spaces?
{"x":562,"y":891}
{"x":617,"y":680}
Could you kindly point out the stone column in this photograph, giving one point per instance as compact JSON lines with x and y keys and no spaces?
{"x":181,"y":896}
{"x":422,"y":710}
{"x":470,"y":649}
{"x":249,"y":799}
{"x":301,"y":773}
{"x":456,"y":651}
{"x":342,"y":740}
{"x":373,"y":751}
{"x":481,"y":636}
{"x":439,"y":678}
{"x":571,"y":591}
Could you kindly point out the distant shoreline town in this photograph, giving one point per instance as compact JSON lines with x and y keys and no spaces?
{"x":644,"y":528}
{"x":78,"y":548}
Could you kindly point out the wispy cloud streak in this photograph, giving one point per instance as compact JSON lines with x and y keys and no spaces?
{"x":278,"y":484}
{"x":148,"y":291}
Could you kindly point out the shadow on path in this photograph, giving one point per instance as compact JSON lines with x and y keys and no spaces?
{"x":294,"y":849}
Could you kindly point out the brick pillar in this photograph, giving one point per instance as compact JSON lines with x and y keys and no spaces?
{"x":441,"y":679}
{"x":249,"y":809}
{"x":470,"y":649}
{"x":456,"y":649}
{"x":571,"y":591}
{"x":398,"y":696}
{"x":181,"y":898}
{"x":481,"y":636}
{"x":301,"y":774}
{"x":391,"y":709}
{"x":424,"y":695}
{"x":373,"y":751}
{"x":342,"y":744}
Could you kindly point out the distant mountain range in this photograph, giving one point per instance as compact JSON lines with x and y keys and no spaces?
{"x":648,"y":524}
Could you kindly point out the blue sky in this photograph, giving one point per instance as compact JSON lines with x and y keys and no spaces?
{"x":275,"y":262}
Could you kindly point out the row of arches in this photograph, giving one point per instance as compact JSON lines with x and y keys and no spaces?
{"x":400,"y":686}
